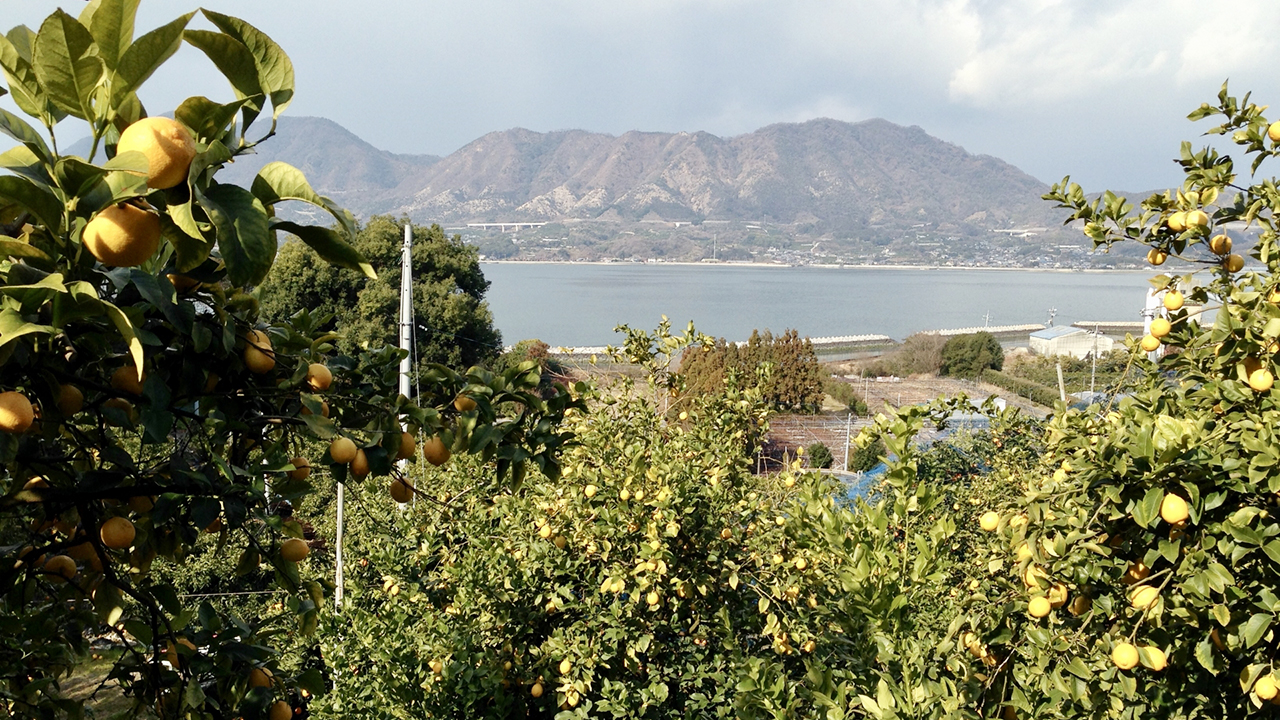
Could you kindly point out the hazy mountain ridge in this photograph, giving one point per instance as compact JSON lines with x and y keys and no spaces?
{"x":829,"y":175}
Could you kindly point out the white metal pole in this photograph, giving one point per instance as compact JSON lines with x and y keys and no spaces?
{"x":406,"y":308}
{"x":848,"y":426}
{"x":337,"y":576}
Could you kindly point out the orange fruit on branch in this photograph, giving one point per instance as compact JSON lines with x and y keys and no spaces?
{"x":167,"y":145}
{"x":122,"y":235}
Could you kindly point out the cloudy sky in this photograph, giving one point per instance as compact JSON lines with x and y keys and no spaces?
{"x":1092,"y":88}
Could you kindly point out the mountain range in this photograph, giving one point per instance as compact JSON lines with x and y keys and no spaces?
{"x":821,"y":176}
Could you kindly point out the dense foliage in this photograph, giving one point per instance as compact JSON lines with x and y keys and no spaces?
{"x":452,"y":323}
{"x":1150,"y":522}
{"x":144,"y":404}
{"x":1022,"y":387}
{"x":966,"y":356}
{"x":791,"y":380}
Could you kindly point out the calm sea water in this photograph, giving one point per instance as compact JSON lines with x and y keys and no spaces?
{"x":581,"y":304}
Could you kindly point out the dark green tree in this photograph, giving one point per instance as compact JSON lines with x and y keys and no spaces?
{"x":967,"y":356}
{"x":453,"y":324}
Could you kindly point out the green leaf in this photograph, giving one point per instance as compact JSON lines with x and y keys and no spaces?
{"x":111,"y":24}
{"x":189,"y":251}
{"x":329,"y":244}
{"x":126,"y":329}
{"x":279,"y":181}
{"x":40,"y":202}
{"x":21,"y":161}
{"x":235,"y":62}
{"x":25,"y":88}
{"x":145,"y":56}
{"x":65,"y":68}
{"x":1144,"y":513}
{"x":208,"y":119}
{"x":12,"y":247}
{"x":18,"y":129}
{"x":13,"y":326}
{"x":1253,"y":630}
{"x":275,"y":70}
{"x":244,"y":232}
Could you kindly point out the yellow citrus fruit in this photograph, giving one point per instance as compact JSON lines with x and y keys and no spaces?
{"x":801,"y":563}
{"x":141,"y":504}
{"x":565,"y":666}
{"x":301,"y":469}
{"x":280,"y":710}
{"x":1265,"y":688}
{"x":258,"y":355}
{"x":1273,"y":132}
{"x":168,"y":146}
{"x":652,"y":598}
{"x":1220,"y":244}
{"x":1149,"y":343}
{"x":1233,"y":263}
{"x":1144,"y":597}
{"x":1156,"y":659}
{"x":214,"y":527}
{"x":989,"y":521}
{"x":590,"y":491}
{"x":560,"y":542}
{"x":435,"y":452}
{"x":1035,"y":576}
{"x":16,"y":413}
{"x":319,"y":377}
{"x":60,"y":568}
{"x":1057,"y":595}
{"x":544,"y":531}
{"x":1023,"y":552}
{"x":1261,"y":380}
{"x":1178,"y":221}
{"x":1173,"y":509}
{"x":70,"y":400}
{"x":117,"y":533}
{"x":125,"y":379}
{"x":436,"y":666}
{"x":408,"y":446}
{"x":294,"y":550}
{"x":342,"y":450}
{"x":1039,"y":607}
{"x":1197,"y":218}
{"x":1173,"y":300}
{"x":464,"y":404}
{"x":122,"y":235}
{"x":536,"y":690}
{"x":1136,"y":572}
{"x":260,"y":677}
{"x":1080,"y":605}
{"x":1160,"y":327}
{"x":1125,"y":656}
{"x":360,"y":464}
{"x":401,"y":491}
{"x":1157,"y":257}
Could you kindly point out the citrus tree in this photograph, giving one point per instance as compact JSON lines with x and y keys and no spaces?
{"x":143,"y":405}
{"x":1136,"y":576}
{"x":658,"y":577}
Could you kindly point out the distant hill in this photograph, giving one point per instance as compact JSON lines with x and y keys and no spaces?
{"x":826,"y":174}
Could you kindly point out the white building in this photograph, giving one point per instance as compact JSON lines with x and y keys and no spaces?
{"x":1066,"y":340}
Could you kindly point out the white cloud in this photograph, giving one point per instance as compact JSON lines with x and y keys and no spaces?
{"x":1044,"y":51}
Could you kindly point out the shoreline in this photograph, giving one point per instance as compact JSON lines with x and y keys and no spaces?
{"x":781,"y":266}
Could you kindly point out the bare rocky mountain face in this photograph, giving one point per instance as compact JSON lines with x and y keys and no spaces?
{"x":820,"y":191}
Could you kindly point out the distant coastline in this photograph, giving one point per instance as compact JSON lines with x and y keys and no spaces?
{"x":673,"y":263}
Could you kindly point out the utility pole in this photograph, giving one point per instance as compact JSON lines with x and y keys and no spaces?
{"x":406,"y":324}
{"x":848,"y":427}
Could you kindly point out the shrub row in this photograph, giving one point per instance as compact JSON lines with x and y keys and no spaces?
{"x":1032,"y":391}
